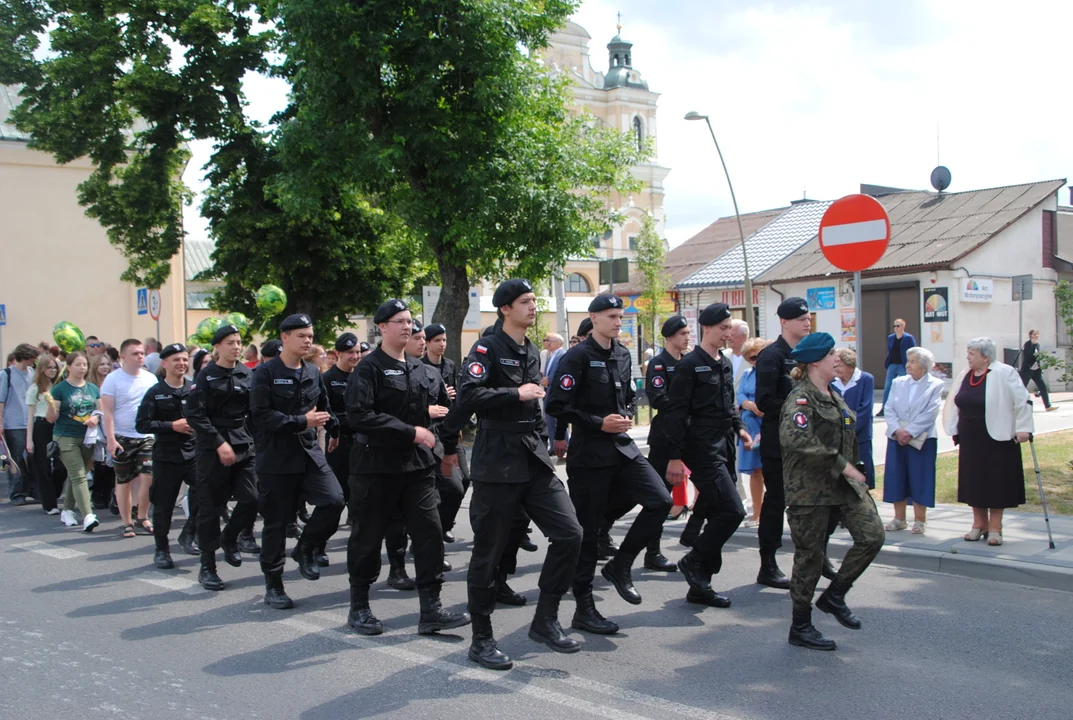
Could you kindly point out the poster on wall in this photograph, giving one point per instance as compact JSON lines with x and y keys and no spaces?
{"x":943,"y":370}
{"x":936,"y":305}
{"x":980,"y":290}
{"x":629,"y":331}
{"x":821,"y":299}
{"x":849,"y":326}
{"x":936,"y":333}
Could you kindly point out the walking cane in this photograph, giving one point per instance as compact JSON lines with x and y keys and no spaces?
{"x":1042,"y":497}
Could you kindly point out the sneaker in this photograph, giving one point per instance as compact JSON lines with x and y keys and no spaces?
{"x":89,"y":522}
{"x":68,"y":518}
{"x":53,"y":511}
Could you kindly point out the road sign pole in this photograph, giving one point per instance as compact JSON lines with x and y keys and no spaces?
{"x":857,"y":317}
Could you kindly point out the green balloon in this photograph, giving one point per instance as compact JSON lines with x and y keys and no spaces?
{"x":207,"y":328}
{"x":271,"y":300}
{"x":68,"y":337}
{"x":240,"y":321}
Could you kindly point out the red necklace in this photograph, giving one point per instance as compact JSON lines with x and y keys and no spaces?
{"x":977,"y":383}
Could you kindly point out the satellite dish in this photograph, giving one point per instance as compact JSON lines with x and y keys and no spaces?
{"x":940,"y":178}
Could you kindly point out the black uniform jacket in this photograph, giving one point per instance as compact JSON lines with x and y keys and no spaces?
{"x":386,"y":399}
{"x":218,"y":405}
{"x":160,"y":407}
{"x":591,"y":383}
{"x":773,"y":384}
{"x":657,"y":387}
{"x":509,"y":432}
{"x":446,"y":370}
{"x":335,"y":382}
{"x":280,"y":399}
{"x":702,"y":417}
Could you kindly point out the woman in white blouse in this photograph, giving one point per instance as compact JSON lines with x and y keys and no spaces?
{"x":912,"y":444}
{"x":989,"y":413}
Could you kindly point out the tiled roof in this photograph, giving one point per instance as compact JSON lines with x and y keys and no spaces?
{"x":711,"y":242}
{"x":928,"y":229}
{"x":766,"y":247}
{"x":9,"y":100}
{"x":198,"y":258}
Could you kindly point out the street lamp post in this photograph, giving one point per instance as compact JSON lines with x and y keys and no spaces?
{"x":749,"y":315}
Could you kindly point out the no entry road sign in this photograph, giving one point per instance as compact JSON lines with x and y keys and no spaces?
{"x":854,"y":232}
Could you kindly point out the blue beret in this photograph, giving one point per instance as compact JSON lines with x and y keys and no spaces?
{"x":389,"y":310}
{"x":714,"y":314}
{"x":224,"y":331}
{"x":792,"y":308}
{"x":672,"y":325}
{"x":271,"y":348}
{"x":346,"y":342}
{"x":813,"y":348}
{"x":169,"y":350}
{"x":433,"y":330}
{"x":295,"y":322}
{"x":605,"y":301}
{"x":509,"y":291}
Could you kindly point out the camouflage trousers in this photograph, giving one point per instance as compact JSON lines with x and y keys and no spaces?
{"x":808,"y":529}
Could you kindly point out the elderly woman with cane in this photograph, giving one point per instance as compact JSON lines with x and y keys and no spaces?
{"x":989,"y":414}
{"x":912,"y":441}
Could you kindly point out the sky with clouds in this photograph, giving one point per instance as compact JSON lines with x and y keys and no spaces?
{"x":819,"y":96}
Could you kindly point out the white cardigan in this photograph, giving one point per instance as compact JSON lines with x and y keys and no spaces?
{"x":919,"y":416}
{"x":1007,"y":407}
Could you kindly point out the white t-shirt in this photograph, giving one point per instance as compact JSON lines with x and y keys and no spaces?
{"x":128,"y":391}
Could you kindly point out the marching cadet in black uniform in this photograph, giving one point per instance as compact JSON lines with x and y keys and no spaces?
{"x":773,"y":384}
{"x":702,"y":426}
{"x":511,"y":469}
{"x":393,"y":471}
{"x":593,"y":391}
{"x":161,"y":414}
{"x":217,"y":408}
{"x":335,"y":382}
{"x":287,"y":405}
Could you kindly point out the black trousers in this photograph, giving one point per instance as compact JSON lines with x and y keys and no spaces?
{"x":453,"y":502}
{"x":41,"y":464}
{"x":772,"y":512}
{"x":695,"y":522}
{"x":723,"y":509}
{"x":339,"y":462}
{"x":621,"y":504}
{"x":1035,"y":376}
{"x":218,"y":483}
{"x":593,"y":489}
{"x":376,"y":500}
{"x":103,"y":485}
{"x":279,"y":492}
{"x":168,"y":479}
{"x":493,"y":513}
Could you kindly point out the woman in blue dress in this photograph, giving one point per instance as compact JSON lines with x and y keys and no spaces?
{"x":749,"y":460}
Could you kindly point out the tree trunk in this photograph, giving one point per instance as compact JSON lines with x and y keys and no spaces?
{"x":453,"y":305}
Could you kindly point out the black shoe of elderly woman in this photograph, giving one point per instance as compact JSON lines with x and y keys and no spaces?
{"x":833,"y":602}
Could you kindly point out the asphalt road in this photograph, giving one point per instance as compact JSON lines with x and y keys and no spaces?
{"x":89,"y":629}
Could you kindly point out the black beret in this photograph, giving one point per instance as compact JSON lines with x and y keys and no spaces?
{"x":168,"y":350}
{"x":714,"y":314}
{"x":792,"y":308}
{"x":364,"y":346}
{"x":295,"y":322}
{"x":389,"y":310}
{"x":584,"y":328}
{"x":605,"y":302}
{"x":415,"y":326}
{"x":509,"y":291}
{"x":198,"y":360}
{"x":224,"y":331}
{"x":672,"y":325}
{"x":346,"y":342}
{"x":433,"y":330}
{"x":490,"y":330}
{"x":271,"y":348}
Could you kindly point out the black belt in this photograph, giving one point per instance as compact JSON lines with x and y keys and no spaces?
{"x":722,"y":424}
{"x":228,"y":424}
{"x":518,"y":426}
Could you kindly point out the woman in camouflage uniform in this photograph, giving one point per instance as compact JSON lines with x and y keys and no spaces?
{"x":819,"y":451}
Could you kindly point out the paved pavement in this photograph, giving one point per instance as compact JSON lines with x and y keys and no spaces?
{"x":89,"y":629}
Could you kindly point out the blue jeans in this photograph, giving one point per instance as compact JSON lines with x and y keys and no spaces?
{"x":893,"y":371}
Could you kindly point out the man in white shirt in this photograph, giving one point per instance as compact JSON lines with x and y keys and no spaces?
{"x":739,"y":333}
{"x":16,"y":420}
{"x":152,"y":354}
{"x":132,"y":451}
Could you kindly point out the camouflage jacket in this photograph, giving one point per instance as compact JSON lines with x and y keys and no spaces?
{"x":818,"y":441}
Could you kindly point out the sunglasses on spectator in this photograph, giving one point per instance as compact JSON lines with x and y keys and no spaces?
{"x":94,"y":345}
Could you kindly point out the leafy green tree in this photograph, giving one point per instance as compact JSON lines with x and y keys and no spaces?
{"x":1063,"y":297}
{"x":441,"y":109}
{"x":655,"y":281}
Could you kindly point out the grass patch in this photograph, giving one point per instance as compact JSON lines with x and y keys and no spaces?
{"x":1055,"y":453}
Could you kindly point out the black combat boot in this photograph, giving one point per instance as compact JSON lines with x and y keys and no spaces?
{"x":447,"y":567}
{"x":320,"y":556}
{"x":617,"y":572}
{"x":656,"y":560}
{"x":449,"y":537}
{"x":605,"y":546}
{"x":361,"y":618}
{"x":505,"y":594}
{"x":433,"y":617}
{"x":546,"y":628}
{"x":804,"y":634}
{"x":396,"y":576}
{"x":303,"y":514}
{"x":588,"y":618}
{"x":483,"y":649}
{"x":293,"y":531}
{"x":695,"y":572}
{"x":231,"y":554}
{"x":770,"y":574}
{"x":188,"y":539}
{"x":707,"y":597}
{"x":162,"y":559}
{"x":303,"y":555}
{"x":207,"y":575}
{"x":275,"y":595}
{"x":247,"y":543}
{"x":833,"y":602}
{"x":829,"y":571}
